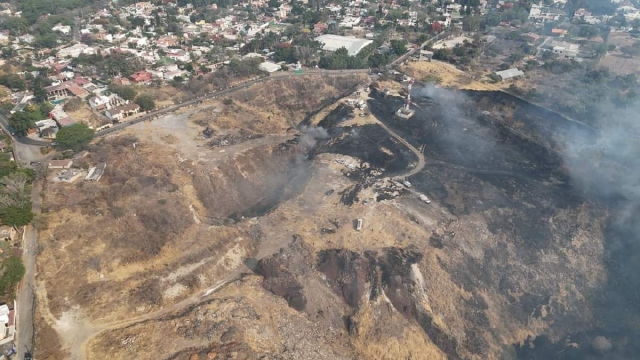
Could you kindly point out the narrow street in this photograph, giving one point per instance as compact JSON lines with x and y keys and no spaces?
{"x":24,"y":154}
{"x":26,"y":299}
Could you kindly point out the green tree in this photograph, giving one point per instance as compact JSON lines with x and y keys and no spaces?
{"x":145,"y":102}
{"x":17,"y":216}
{"x":12,"y":272}
{"x":471,"y":23}
{"x":125,"y":92}
{"x":515,"y":57}
{"x":398,"y":47}
{"x":20,"y":122}
{"x":74,"y":137}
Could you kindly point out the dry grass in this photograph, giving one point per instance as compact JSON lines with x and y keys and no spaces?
{"x":164,"y":95}
{"x":618,"y":63}
{"x":449,"y":76}
{"x":85,"y":115}
{"x":408,"y":343}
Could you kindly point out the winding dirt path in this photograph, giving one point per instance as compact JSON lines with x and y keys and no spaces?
{"x":78,"y":350}
{"x":421,"y":163}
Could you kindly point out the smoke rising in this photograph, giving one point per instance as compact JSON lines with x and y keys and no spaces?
{"x":311,"y":135}
{"x":604,"y":166}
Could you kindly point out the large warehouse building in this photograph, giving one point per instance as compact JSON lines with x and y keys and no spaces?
{"x":334,"y":42}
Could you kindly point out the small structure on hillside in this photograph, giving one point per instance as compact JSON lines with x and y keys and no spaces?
{"x":60,"y":164}
{"x":96,"y":172}
{"x":7,"y":318}
{"x":425,"y":55}
{"x":68,"y":176}
{"x":509,"y":73}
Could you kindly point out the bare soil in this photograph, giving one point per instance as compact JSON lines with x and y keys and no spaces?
{"x":194,"y":250}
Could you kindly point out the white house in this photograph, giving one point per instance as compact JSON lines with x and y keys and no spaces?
{"x":178,"y":55}
{"x":75,"y":51}
{"x":7,"y":317}
{"x":349,"y":22}
{"x":120,"y":112}
{"x":65,"y":29}
{"x":335,"y":42}
{"x":269,"y":67}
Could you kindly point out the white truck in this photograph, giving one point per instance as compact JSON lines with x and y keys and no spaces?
{"x":424,"y":198}
{"x":406,"y":183}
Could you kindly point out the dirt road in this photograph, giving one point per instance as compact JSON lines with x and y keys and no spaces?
{"x":243,"y":85}
{"x":26,"y":299}
{"x":417,"y":152}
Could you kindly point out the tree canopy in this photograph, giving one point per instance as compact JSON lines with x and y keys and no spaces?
{"x":145,"y":102}
{"x":398,"y":47}
{"x":74,"y":137}
{"x":125,"y":92}
{"x":12,"y":272}
{"x":16,"y":216}
{"x":24,"y":120}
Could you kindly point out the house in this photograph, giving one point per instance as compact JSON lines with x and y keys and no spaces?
{"x":269,"y":67}
{"x":142,"y":77}
{"x":530,"y":37}
{"x":509,"y":73}
{"x":425,"y":55}
{"x":121,"y":112}
{"x":65,"y":29}
{"x":49,"y":133}
{"x":75,"y":50}
{"x":60,"y":116}
{"x":8,"y":318}
{"x":178,"y":55}
{"x":334,"y":42}
{"x":559,"y":32}
{"x":565,"y":49}
{"x":60,"y":164}
{"x":96,"y":172}
{"x":349,"y":22}
{"x":47,"y":128}
{"x":121,"y":81}
{"x":320,"y":28}
{"x":171,"y":74}
{"x":65,"y":90}
{"x":68,"y":176}
{"x":7,"y":233}
{"x":102,"y":102}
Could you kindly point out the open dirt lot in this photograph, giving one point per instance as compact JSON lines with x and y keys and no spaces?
{"x":617,"y":62}
{"x":449,"y":76}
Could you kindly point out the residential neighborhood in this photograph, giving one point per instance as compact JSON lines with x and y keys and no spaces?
{"x":145,"y":48}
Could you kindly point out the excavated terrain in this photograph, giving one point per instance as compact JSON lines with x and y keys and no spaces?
{"x":245,"y":249}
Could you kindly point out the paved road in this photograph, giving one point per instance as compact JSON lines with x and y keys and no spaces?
{"x":26,"y":298}
{"x":4,"y":123}
{"x":26,"y":150}
{"x":244,"y":85}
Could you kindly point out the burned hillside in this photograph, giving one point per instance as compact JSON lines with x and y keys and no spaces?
{"x":342,"y":233}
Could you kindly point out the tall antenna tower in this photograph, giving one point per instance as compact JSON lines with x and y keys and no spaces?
{"x":405,"y":111}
